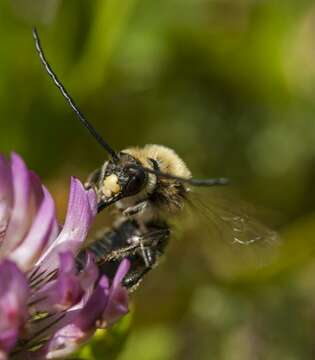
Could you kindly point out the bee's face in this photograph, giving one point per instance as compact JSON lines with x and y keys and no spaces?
{"x":122,"y":179}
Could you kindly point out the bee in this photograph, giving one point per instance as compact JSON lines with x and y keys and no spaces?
{"x":148,"y":186}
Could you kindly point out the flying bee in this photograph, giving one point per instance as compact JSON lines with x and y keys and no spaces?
{"x":148,"y":186}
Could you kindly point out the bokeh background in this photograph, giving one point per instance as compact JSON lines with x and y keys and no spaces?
{"x":229,"y":84}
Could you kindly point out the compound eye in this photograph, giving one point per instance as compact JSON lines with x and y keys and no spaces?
{"x":136,"y":179}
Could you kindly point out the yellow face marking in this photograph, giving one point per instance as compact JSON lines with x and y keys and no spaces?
{"x":111,"y":185}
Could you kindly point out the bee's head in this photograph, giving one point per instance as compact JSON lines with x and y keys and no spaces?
{"x":122,"y":178}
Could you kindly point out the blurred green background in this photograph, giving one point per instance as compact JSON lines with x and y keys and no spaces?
{"x":229,"y":84}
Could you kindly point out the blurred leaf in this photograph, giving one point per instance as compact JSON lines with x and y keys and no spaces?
{"x":111,"y":18}
{"x":35,"y":11}
{"x":155,"y":343}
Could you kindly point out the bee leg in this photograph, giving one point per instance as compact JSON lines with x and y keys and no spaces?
{"x":132,"y":210}
{"x":148,"y":256}
{"x":133,"y":279}
{"x":121,"y":253}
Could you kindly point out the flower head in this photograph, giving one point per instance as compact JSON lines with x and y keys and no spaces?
{"x":47,"y":307}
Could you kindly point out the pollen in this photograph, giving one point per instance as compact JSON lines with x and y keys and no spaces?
{"x":111,"y":185}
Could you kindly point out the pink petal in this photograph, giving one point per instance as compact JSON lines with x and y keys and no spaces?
{"x":121,"y":272}
{"x":12,"y":279}
{"x":80,"y":214}
{"x":92,"y":202}
{"x":81,"y":327}
{"x":3,"y":355}
{"x":13,"y":299}
{"x":31,"y":248}
{"x":88,"y":279}
{"x":20,"y":218}
{"x":6,"y":195}
{"x":93,"y":309}
{"x":65,"y":342}
{"x":90,"y":273}
{"x":68,"y":291}
{"x":118,"y":299}
{"x":116,"y":308}
{"x":63,"y":292}
{"x":8,"y":339}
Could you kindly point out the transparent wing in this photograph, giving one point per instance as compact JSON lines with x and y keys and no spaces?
{"x":233,"y":240}
{"x":232,"y":218}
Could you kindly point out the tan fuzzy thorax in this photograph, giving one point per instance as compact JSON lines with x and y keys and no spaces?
{"x":169,"y":162}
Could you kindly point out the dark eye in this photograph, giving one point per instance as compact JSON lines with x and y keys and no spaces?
{"x":136,"y":179}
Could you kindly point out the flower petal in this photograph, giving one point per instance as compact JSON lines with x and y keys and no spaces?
{"x":13,"y":299}
{"x":68,"y":288}
{"x":90,"y":273}
{"x":74,"y":334}
{"x":80,"y":214}
{"x":6,"y":195}
{"x":61,"y":293}
{"x":66,"y":341}
{"x":31,"y":248}
{"x":118,"y":299}
{"x":20,"y":217}
{"x":117,"y":307}
{"x":121,"y":272}
{"x":95,"y":306}
{"x":92,"y":202}
{"x":8,"y":339}
{"x":88,"y":278}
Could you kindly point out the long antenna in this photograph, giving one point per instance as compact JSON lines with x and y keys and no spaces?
{"x":194,"y":182}
{"x":69,"y":99}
